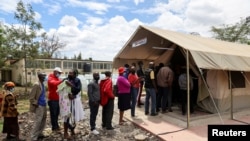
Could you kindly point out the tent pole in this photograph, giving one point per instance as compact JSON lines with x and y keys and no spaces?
{"x":188,"y":89}
{"x":231,"y":94}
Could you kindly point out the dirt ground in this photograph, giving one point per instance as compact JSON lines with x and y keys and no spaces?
{"x":126,"y":132}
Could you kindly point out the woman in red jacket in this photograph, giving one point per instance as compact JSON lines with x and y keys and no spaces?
{"x":107,"y":101}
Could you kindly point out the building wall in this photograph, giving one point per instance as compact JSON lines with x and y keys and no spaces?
{"x":47,"y":66}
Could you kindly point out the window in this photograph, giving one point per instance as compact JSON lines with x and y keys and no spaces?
{"x":75,"y":65}
{"x":238,"y":80}
{"x":80,"y":65}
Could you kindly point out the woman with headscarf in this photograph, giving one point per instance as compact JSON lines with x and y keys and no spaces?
{"x":123,"y":94}
{"x":9,"y":112}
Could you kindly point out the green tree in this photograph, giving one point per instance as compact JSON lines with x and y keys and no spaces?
{"x":238,"y":32}
{"x":79,"y":57}
{"x":8,"y":43}
{"x":2,"y":44}
{"x":27,"y":32}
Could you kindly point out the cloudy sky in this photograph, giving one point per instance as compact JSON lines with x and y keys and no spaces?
{"x":100,"y":28}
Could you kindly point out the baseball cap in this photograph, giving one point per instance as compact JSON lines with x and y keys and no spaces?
{"x":58,"y":69}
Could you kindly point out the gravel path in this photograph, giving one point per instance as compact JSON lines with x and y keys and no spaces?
{"x":126,"y":132}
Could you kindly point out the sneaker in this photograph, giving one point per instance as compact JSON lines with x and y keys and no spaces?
{"x":110,"y":128}
{"x":153,"y":114}
{"x":95,"y":132}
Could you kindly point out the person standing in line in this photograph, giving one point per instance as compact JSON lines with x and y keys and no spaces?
{"x":164,"y":80}
{"x":53,"y":97}
{"x":107,"y":101}
{"x":134,"y":81}
{"x":156,"y":70}
{"x":10,"y":113}
{"x":151,"y":90}
{"x":140,"y":74}
{"x":94,"y":101}
{"x":38,"y":106}
{"x":183,"y":89}
{"x":123,"y":94}
{"x":126,"y":70}
{"x":75,"y":106}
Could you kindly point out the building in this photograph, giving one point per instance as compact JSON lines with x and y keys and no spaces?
{"x":14,"y":70}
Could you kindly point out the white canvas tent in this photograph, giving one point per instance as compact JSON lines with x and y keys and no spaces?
{"x":223,"y":68}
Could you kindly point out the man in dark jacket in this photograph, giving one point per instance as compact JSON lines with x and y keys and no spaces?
{"x":94,"y":101}
{"x":75,"y":84}
{"x":151,"y":90}
{"x":140,"y":73}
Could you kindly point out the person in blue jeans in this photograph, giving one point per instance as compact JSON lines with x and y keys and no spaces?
{"x":151,"y":90}
{"x":134,"y":81}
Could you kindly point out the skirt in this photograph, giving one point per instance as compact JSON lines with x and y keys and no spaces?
{"x":10,"y":125}
{"x":124,"y":101}
{"x":79,"y":110}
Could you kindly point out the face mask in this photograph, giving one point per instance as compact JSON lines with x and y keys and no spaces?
{"x":70,"y":76}
{"x":12,"y":90}
{"x":96,"y":78}
{"x":57,"y":75}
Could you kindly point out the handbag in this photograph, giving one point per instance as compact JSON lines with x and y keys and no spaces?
{"x":115,"y":90}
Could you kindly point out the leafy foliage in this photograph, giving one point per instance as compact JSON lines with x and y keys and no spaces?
{"x":239,"y":32}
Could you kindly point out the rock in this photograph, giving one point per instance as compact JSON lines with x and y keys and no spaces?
{"x":126,"y":132}
{"x":140,"y":137}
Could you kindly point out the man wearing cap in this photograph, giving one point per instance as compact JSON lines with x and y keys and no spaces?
{"x":38,"y":106}
{"x":151,"y":90}
{"x":53,"y":97}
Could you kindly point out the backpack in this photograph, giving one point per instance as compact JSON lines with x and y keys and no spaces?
{"x":115,"y":90}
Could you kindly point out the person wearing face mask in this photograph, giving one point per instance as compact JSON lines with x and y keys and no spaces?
{"x":94,"y":101}
{"x":134,"y":81}
{"x":76,"y":109}
{"x":107,"y":101}
{"x":53,"y":98}
{"x":10,"y":113}
{"x":38,"y":106}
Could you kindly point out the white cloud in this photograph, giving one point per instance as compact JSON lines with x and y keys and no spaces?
{"x":53,"y":8}
{"x":8,"y":6}
{"x":94,"y":21}
{"x":69,"y":21}
{"x":99,"y":8}
{"x":113,"y":1}
{"x":138,"y":1}
{"x":98,"y":42}
{"x":37,"y":16}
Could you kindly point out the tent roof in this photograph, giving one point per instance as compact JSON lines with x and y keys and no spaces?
{"x":206,"y":52}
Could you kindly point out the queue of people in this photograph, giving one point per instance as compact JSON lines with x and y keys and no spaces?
{"x":64,"y":98}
